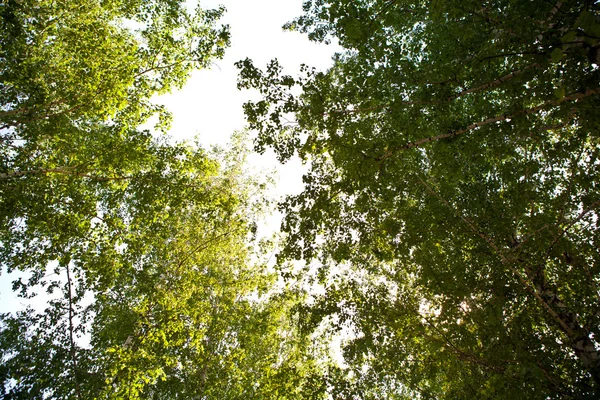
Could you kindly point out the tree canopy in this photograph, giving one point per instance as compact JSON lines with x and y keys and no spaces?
{"x":447,"y":231}
{"x":452,"y":198}
{"x":143,"y":246}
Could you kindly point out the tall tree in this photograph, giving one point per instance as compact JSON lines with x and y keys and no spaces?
{"x":453,"y":192}
{"x":153,"y":294}
{"x":95,"y":59}
{"x":142,"y":245}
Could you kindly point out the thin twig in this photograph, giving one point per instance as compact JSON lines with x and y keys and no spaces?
{"x":581,"y":215}
{"x":71,"y":334}
{"x":61,"y":170}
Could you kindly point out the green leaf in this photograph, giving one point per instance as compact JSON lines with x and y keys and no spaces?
{"x":568,"y":37}
{"x":559,"y":93}
{"x":556,"y":55}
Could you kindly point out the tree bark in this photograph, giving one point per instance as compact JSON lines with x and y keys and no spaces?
{"x":579,"y":336}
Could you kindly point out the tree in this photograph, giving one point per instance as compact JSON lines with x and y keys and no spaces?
{"x":142,"y":244}
{"x":452,"y":195}
{"x":160,"y":285}
{"x":93,"y":59}
{"x":77,"y":78}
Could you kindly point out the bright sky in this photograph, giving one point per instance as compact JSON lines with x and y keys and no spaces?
{"x":210,"y":104}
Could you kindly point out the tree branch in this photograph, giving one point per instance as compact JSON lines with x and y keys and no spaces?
{"x":488,"y":121}
{"x":497,"y":82}
{"x":72,"y":335}
{"x":461,"y":353}
{"x":159,"y":67}
{"x":581,"y":215}
{"x":60,"y":170}
{"x":203,"y":245}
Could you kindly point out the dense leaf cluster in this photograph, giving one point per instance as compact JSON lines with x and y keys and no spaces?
{"x":140,"y":248}
{"x":449,"y":216}
{"x":452,"y":198}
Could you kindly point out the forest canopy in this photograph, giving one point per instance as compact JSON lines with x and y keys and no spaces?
{"x":143,"y":246}
{"x":449,"y":216}
{"x":452,"y":198}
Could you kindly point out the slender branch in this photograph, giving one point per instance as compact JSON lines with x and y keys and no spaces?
{"x":581,"y":215}
{"x":483,"y":13}
{"x":517,"y":53}
{"x":71,"y":334}
{"x":466,"y":220}
{"x":17,"y":174}
{"x":492,"y":84}
{"x":567,"y":193}
{"x":488,"y":121}
{"x":159,"y":67}
{"x":461,"y":353}
{"x":552,"y":382}
{"x":28,"y":109}
{"x":361,"y":110}
{"x":202,"y":245}
{"x":47,"y":114}
{"x":383,"y":9}
{"x":554,"y":10}
{"x":60,"y":170}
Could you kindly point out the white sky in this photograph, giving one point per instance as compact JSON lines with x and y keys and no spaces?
{"x":210,"y":104}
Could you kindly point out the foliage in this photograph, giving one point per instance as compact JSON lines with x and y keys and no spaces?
{"x":143,"y":246}
{"x":158,"y":281}
{"x":97,"y":59}
{"x":452,"y":194}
